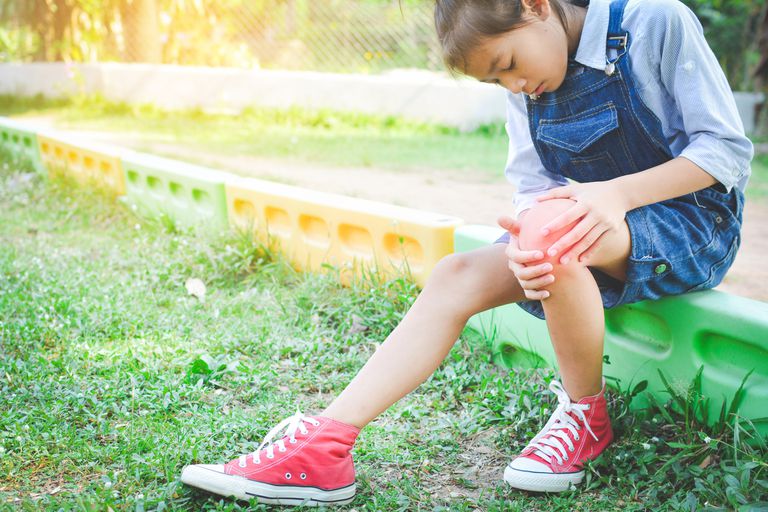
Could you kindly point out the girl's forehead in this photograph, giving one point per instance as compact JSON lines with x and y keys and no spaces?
{"x":484,"y":57}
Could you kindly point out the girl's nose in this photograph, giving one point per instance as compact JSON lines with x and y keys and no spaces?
{"x":513,"y":84}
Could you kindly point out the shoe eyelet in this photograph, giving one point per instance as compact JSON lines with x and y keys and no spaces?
{"x":570,"y":450}
{"x":292,"y":440}
{"x":241,"y":465}
{"x":272,"y":456}
{"x":287,"y":476}
{"x":576,"y":438}
{"x":282,"y":450}
{"x":303,"y":476}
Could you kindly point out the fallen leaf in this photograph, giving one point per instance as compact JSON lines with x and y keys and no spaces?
{"x":195,"y":287}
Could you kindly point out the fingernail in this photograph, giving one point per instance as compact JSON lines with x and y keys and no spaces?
{"x":539,"y":254}
{"x":547,"y":267}
{"x":565,"y":260}
{"x":552,"y":252}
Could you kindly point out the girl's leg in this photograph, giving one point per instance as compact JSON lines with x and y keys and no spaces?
{"x":460,"y":286}
{"x":575,"y":316}
{"x":579,"y":429}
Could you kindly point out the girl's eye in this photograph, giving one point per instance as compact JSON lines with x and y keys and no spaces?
{"x":511,"y":65}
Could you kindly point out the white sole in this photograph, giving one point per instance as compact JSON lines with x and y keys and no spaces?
{"x":212,"y":478}
{"x":541,"y":482}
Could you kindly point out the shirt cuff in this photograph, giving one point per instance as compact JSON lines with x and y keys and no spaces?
{"x":718,"y":159}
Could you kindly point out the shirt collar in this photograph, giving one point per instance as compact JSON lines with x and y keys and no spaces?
{"x":592,"y":44}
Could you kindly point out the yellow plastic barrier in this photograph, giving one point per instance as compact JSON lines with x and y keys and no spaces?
{"x":315,"y":228}
{"x":85,"y":161}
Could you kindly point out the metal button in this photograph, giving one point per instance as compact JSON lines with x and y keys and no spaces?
{"x":660,"y":269}
{"x":718,"y":219}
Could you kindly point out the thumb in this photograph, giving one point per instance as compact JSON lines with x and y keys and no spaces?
{"x":510,"y":224}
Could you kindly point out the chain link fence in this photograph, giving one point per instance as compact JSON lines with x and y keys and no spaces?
{"x":366,"y":36}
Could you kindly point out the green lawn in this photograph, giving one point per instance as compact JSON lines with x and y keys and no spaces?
{"x":331,"y":138}
{"x":113,"y":378}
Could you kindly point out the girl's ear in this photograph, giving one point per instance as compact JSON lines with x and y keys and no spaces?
{"x":537,"y":8}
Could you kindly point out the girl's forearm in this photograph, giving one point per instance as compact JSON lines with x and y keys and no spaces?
{"x":674,"y":178}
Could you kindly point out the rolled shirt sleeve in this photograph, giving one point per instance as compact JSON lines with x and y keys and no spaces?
{"x":524,"y":168}
{"x":692,"y":77}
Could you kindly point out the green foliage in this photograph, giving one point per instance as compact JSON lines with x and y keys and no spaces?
{"x":730,"y":27}
{"x":113,"y":378}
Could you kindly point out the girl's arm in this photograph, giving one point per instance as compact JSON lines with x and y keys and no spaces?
{"x":675,"y":178}
{"x":524,"y":168}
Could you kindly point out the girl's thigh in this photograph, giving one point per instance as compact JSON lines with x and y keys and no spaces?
{"x":612,"y":256}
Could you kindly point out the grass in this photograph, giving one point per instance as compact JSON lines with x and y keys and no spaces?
{"x":113,"y":378}
{"x":758,"y":181}
{"x":298,"y":135}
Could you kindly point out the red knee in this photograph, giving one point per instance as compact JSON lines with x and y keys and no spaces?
{"x":537,"y":217}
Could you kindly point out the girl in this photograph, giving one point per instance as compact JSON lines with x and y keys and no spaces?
{"x":625,"y":98}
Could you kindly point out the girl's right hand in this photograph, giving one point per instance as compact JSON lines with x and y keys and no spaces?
{"x":531,"y":275}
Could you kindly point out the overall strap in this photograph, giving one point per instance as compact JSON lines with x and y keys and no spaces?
{"x":618,"y":39}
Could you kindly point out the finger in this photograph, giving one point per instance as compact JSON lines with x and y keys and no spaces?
{"x":534,"y":271}
{"x":555,"y":193}
{"x":572,"y":237}
{"x":538,"y":283}
{"x":524,"y":257}
{"x":586,"y":255}
{"x":566,"y":218}
{"x":575,"y":252}
{"x":536,"y":295}
{"x":507,"y":222}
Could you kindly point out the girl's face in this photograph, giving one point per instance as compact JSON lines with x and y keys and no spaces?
{"x":532,"y":58}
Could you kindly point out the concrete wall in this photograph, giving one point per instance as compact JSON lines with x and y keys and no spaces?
{"x":420,"y":95}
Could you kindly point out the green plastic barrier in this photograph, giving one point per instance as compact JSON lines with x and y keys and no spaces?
{"x":726,"y":334}
{"x":191,"y":195}
{"x":21,"y":140}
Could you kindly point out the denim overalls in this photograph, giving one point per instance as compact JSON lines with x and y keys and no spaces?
{"x":595,"y":127}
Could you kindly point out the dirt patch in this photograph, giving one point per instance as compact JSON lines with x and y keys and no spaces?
{"x":476,"y":200}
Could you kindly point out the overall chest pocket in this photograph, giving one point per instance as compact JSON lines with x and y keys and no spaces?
{"x":588,"y":146}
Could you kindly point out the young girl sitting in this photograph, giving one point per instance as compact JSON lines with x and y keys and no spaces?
{"x":625,"y":99}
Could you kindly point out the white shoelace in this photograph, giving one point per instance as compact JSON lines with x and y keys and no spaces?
{"x":295,"y":422}
{"x":553,"y":439}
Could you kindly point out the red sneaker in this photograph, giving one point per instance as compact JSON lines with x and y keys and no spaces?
{"x":553,"y":460}
{"x":311,"y":465}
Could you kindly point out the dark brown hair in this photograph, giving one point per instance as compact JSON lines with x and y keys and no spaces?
{"x":463,"y":24}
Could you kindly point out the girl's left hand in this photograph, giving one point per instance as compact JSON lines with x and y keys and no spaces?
{"x":601,"y":206}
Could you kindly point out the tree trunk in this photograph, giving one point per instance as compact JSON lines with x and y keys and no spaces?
{"x":141,"y":28}
{"x":761,"y":71}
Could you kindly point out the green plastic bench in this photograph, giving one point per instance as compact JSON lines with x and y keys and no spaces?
{"x":21,"y":140}
{"x":726,"y":334}
{"x":191,"y":195}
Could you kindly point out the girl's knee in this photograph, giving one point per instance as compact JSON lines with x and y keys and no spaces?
{"x":451,"y":268}
{"x":531,"y":237}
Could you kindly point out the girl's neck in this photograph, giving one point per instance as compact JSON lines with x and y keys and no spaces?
{"x":575,"y":16}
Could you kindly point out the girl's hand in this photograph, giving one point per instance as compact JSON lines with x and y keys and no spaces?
{"x":600,"y":205}
{"x":530,"y":275}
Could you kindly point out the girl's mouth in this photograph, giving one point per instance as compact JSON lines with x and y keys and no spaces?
{"x":539,"y":90}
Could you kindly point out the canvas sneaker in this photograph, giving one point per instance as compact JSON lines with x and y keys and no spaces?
{"x":310,"y":465}
{"x":576,"y":432}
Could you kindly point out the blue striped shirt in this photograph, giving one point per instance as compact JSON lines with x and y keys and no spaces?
{"x":677,"y":76}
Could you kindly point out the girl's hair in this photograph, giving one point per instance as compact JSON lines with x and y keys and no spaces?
{"x":463,"y":24}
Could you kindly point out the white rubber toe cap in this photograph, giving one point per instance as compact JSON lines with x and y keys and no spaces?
{"x":219,"y":468}
{"x":526,"y":464}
